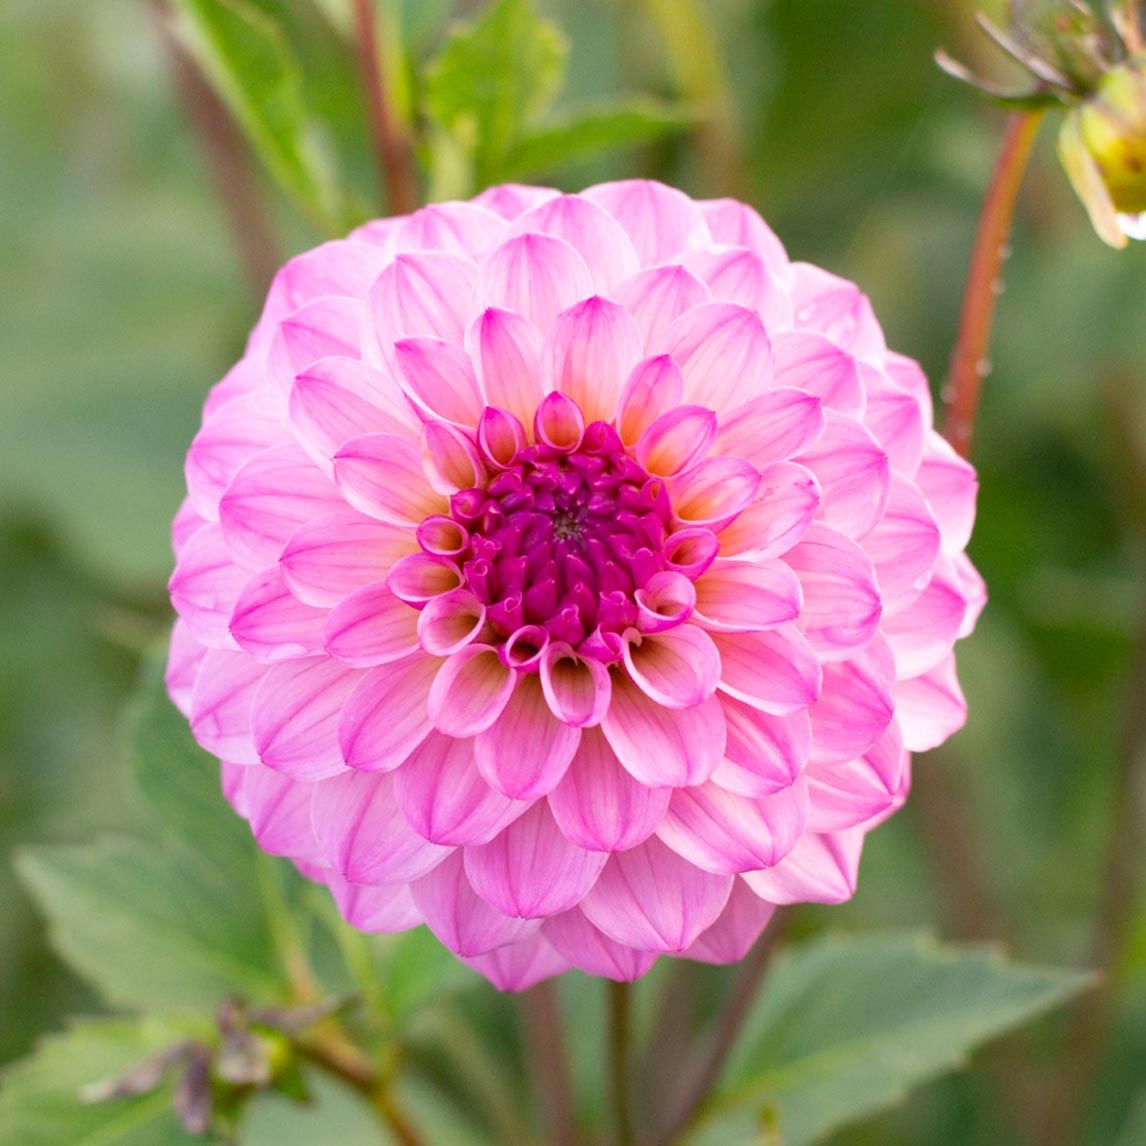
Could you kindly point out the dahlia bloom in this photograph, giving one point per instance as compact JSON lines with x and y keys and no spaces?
{"x":573,"y":574}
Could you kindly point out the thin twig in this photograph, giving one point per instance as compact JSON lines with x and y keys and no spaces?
{"x":227,"y":156}
{"x":544,"y":1036}
{"x":391,"y":150}
{"x":618,"y":1058}
{"x":969,"y":362}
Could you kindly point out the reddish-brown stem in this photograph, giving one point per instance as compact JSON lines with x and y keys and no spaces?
{"x":969,"y":361}
{"x":227,"y":157}
{"x":391,"y":150}
{"x":541,"y":1016}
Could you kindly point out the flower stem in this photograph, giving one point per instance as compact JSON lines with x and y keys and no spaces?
{"x":969,"y":360}
{"x":619,"y":1047}
{"x":541,"y":1016}
{"x":391,"y":149}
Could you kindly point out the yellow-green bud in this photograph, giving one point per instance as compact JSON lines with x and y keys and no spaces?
{"x":1113,"y":126}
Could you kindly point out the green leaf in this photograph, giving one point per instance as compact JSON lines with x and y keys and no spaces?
{"x":247,"y":57}
{"x":492,"y":78}
{"x":846,"y":1026}
{"x":591,"y":131}
{"x":335,"y":1116}
{"x":1134,"y":1129}
{"x":39,"y":1096}
{"x":154,"y":928}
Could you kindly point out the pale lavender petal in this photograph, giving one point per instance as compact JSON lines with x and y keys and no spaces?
{"x":735,"y":224}
{"x":450,"y":458}
{"x":895,"y":419}
{"x":323,"y":328}
{"x":512,"y":199}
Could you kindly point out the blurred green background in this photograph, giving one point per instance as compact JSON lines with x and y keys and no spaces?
{"x":123,"y":297}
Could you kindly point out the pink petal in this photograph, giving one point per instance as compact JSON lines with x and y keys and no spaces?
{"x":950,"y":486}
{"x":930,"y":708}
{"x":841,"y":600}
{"x":895,"y":419}
{"x":385,"y":718}
{"x":422,"y":577}
{"x":362,"y":833}
{"x":771,"y":427}
{"x":735,"y":224}
{"x":775,"y":671}
{"x":184,"y":526}
{"x":382,"y":475}
{"x":577,"y":689}
{"x":592,"y":951}
{"x":741,"y":596}
{"x":847,"y":793}
{"x":271,"y":624}
{"x":519,"y":966}
{"x":536,"y":275}
{"x":506,"y":351}
{"x":903,"y":547}
{"x":677,"y":668}
{"x":332,"y":556}
{"x":660,"y":220}
{"x":530,"y":869}
{"x":450,"y":458}
{"x":855,"y":704}
{"x":470,"y":691}
{"x":663,"y":747}
{"x":334,"y":268}
{"x":512,"y":199}
{"x":786,"y":499}
{"x":721,"y":832}
{"x":854,"y":475}
{"x":666,"y":601}
{"x":559,"y":422}
{"x":974,"y":590}
{"x":278,"y":810}
{"x":811,"y":362}
{"x":445,"y":799}
{"x":819,"y":869}
{"x":922,"y":635}
{"x":527,"y":751}
{"x":589,"y":353}
{"x":765,"y":753}
{"x":652,"y":899}
{"x":598,"y":805}
{"x":371,"y":627}
{"x":379,"y":910}
{"x":713,"y":491}
{"x":449,"y":622}
{"x":834,"y":307}
{"x":739,"y":925}
{"x":461,"y":919}
{"x":323,"y":328}
{"x":221,"y":705}
{"x":439,"y":379}
{"x":459,"y":228}
{"x":676,"y":439}
{"x":294,"y":716}
{"x":739,"y":275}
{"x":657,"y":297}
{"x":723,"y":353}
{"x":590,"y":231}
{"x":184,"y":656}
{"x":205,"y":586}
{"x":500,"y":436}
{"x":908,"y":375}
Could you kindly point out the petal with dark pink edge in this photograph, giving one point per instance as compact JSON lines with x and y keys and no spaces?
{"x":663,"y":747}
{"x":521,"y":965}
{"x":739,"y":275}
{"x":740,"y":924}
{"x":786,"y":500}
{"x":903,"y":547}
{"x":765,"y":753}
{"x":527,"y":750}
{"x":577,"y":689}
{"x":221,"y":705}
{"x":652,"y":899}
{"x":847,"y":793}
{"x":444,"y":798}
{"x":854,"y":475}
{"x":742,"y":596}
{"x":184,"y":656}
{"x":385,"y":718}
{"x":371,"y":627}
{"x":536,"y":275}
{"x":271,"y":624}
{"x":438,"y":377}
{"x":591,"y":231}
{"x":337,"y":399}
{"x":459,"y":917}
{"x":837,"y":308}
{"x":809,"y":361}
{"x":895,"y":419}
{"x":530,"y":869}
{"x":930,"y":708}
{"x":713,"y":491}
{"x":676,"y":440}
{"x":598,"y":805}
{"x":294,"y":716}
{"x":723,"y":352}
{"x":231,"y":436}
{"x":320,"y":329}
{"x":470,"y":691}
{"x":819,"y":869}
{"x":589,"y":353}
{"x":677,"y":668}
{"x":775,"y":671}
{"x":592,"y":951}
{"x":363,"y":834}
{"x":658,"y":296}
{"x":951,"y":487}
{"x":654,"y":387}
{"x":661,"y":221}
{"x":922,"y":635}
{"x":278,"y":810}
{"x":735,"y":224}
{"x":506,"y":351}
{"x":855,"y":705}
{"x":382,"y":475}
{"x":205,"y":586}
{"x":842,"y":605}
{"x":771,"y":427}
{"x":269,"y":498}
{"x":381,"y":909}
{"x":721,"y":832}
{"x":459,"y":228}
{"x":329,"y":558}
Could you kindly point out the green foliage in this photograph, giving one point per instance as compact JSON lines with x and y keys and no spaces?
{"x":1134,"y":1130}
{"x":846,"y":1026}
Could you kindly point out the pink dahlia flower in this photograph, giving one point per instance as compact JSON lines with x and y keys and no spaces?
{"x":572,"y":574}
